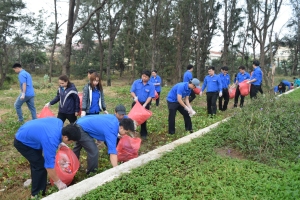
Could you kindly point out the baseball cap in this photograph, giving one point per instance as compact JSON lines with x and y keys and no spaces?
{"x":196,"y":82}
{"x":120,"y":109}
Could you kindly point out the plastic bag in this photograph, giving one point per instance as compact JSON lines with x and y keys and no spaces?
{"x":197,"y":90}
{"x":128,"y":148}
{"x":232,"y":93}
{"x":45,"y":112}
{"x":66,"y":165}
{"x":244,"y":88}
{"x":80,"y":94}
{"x":139,"y":114}
{"x":156,"y":96}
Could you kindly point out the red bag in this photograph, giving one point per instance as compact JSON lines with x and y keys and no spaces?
{"x":156,"y":96}
{"x":139,"y":114}
{"x":128,"y":148}
{"x":80,"y":100}
{"x":232,"y":93}
{"x":197,"y":90}
{"x":45,"y":112}
{"x":244,"y":88}
{"x":66,"y":165}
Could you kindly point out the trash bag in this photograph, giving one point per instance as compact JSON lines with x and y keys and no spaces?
{"x":80,"y":94}
{"x":232,"y":93}
{"x":128,"y":148}
{"x":244,"y":88}
{"x":197,"y":90}
{"x":45,"y":112}
{"x":139,"y":114}
{"x":66,"y":165}
{"x":156,"y":96}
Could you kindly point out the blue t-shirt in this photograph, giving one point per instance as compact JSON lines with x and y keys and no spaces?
{"x":257,"y":74}
{"x":25,"y":77}
{"x":95,"y":108}
{"x":103,"y":127}
{"x":213,"y":83}
{"x":187,"y":76}
{"x":275,"y":89}
{"x":125,"y":117}
{"x":156,"y":80}
{"x":181,"y":89}
{"x":143,"y":91}
{"x":241,"y":77}
{"x":225,"y":79}
{"x":286,"y":83}
{"x":45,"y":134}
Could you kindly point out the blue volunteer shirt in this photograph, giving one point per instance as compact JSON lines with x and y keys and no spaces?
{"x":25,"y":77}
{"x":181,"y":89}
{"x":95,"y":101}
{"x":213,"y":83}
{"x":45,"y":134}
{"x":241,"y":77}
{"x":103,"y":127}
{"x":276,"y":89}
{"x":187,"y":76}
{"x":286,"y":83}
{"x":225,"y":79}
{"x":143,"y":91}
{"x":257,"y":74}
{"x":156,"y":80}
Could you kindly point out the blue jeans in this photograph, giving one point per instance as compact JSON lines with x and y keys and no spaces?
{"x":30,"y":103}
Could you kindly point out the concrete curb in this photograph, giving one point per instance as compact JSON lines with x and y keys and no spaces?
{"x":288,"y":91}
{"x":83,"y":187}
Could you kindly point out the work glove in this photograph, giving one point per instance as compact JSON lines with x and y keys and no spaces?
{"x":192,"y":112}
{"x":83,"y":113}
{"x":136,"y":98}
{"x":62,"y":144}
{"x":22,"y":96}
{"x":47,"y":104}
{"x":220,"y":94}
{"x":60,"y":185}
{"x":105,"y":111}
{"x":187,"y":109}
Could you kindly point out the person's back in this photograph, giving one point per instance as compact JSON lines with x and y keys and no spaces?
{"x":287,"y":83}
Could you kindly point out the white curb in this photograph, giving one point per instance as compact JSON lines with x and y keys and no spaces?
{"x":83,"y":187}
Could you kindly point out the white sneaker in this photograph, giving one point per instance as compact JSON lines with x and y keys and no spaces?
{"x":27,"y":183}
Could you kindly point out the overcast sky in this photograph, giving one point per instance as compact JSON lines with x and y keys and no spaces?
{"x":62,"y":6}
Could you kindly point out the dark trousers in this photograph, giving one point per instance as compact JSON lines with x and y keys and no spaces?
{"x":38,"y":171}
{"x":211,"y":98}
{"x":192,"y":96}
{"x":71,"y":117}
{"x":236,"y":97}
{"x":260,"y":89}
{"x":253,"y":91}
{"x":157,"y":100}
{"x":225,"y":96}
{"x":144,"y":131}
{"x":173,"y":107}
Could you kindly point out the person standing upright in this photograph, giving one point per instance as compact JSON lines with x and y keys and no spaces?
{"x":27,"y":92}
{"x":241,"y":76}
{"x":214,"y":89}
{"x":187,"y":77}
{"x":255,"y":79}
{"x":225,"y":79}
{"x":142,"y":90}
{"x":156,"y":80}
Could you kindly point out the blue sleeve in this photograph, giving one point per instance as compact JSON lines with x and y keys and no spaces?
{"x":159,"y":79}
{"x":133,"y":87}
{"x":248,"y":76}
{"x":49,"y":151}
{"x":204,"y":85}
{"x":220,"y":84}
{"x":152,"y":91}
{"x":22,"y":78}
{"x":228,"y":81}
{"x":180,"y":89}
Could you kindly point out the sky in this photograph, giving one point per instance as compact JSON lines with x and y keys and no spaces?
{"x":62,"y":7}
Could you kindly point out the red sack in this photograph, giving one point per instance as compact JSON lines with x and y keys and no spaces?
{"x":244,"y":88}
{"x":80,"y":100}
{"x":232,"y":93}
{"x":128,"y":148}
{"x":197,"y":90}
{"x":156,"y":96}
{"x":139,"y":114}
{"x":45,"y":112}
{"x":66,"y":165}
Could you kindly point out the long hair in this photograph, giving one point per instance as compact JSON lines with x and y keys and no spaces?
{"x":92,"y":78}
{"x":65,"y":78}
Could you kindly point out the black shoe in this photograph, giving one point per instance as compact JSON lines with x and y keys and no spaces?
{"x":144,"y":137}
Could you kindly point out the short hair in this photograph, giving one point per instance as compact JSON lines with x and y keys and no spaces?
{"x":127,"y":124}
{"x":256,"y":62}
{"x":146,"y":72}
{"x":211,"y":68}
{"x":189,"y":67}
{"x":72,"y":131}
{"x":154,"y":71}
{"x":17,"y":65}
{"x":225,"y":68}
{"x":90,"y":71}
{"x":242,"y":67}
